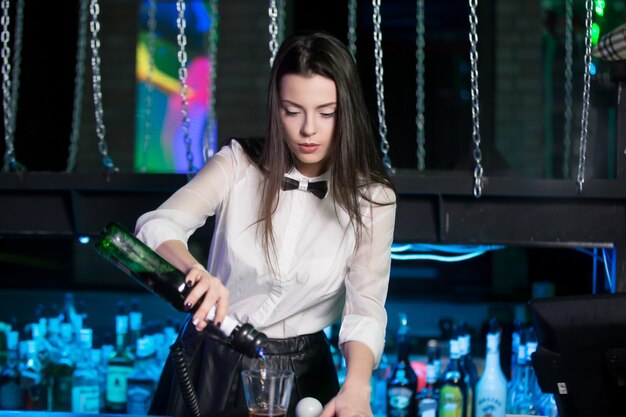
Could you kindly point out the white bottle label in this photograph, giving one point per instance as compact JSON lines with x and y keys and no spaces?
{"x":399,"y":401}
{"x":428,"y":408}
{"x":86,"y":399}
{"x":117,"y":383}
{"x":489,"y":407}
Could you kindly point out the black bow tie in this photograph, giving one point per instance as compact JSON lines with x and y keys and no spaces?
{"x":318,"y":188}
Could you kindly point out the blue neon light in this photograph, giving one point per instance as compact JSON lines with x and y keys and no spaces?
{"x":446,"y":253}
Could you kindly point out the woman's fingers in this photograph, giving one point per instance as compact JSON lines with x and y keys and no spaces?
{"x":207,"y":292}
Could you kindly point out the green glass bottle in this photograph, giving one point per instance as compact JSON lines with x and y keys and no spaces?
{"x":165,"y":281}
{"x":451,"y":397}
{"x":142,"y":264}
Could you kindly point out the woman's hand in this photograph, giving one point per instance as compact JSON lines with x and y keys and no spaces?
{"x":205,"y":285}
{"x":349,"y":402}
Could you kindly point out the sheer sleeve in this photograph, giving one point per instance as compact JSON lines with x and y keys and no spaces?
{"x":364,"y":316}
{"x":188,"y":208}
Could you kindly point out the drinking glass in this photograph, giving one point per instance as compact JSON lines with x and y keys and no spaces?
{"x":267,"y":391}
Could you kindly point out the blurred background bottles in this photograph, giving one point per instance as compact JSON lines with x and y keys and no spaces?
{"x":469,"y":372}
{"x":402,"y":382}
{"x":58,"y":361}
{"x":10,"y":395}
{"x":85,"y":380}
{"x":54,"y":364}
{"x":119,"y":365}
{"x":491,"y":387}
{"x":453,"y":394}
{"x":428,"y":397}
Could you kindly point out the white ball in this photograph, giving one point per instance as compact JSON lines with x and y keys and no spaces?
{"x":308,"y":407}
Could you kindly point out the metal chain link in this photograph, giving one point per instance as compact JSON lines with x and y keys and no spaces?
{"x":420,"y":121}
{"x":181,"y":23}
{"x":478,"y":168}
{"x":79,"y":84}
{"x":273,"y":30}
{"x":150,"y":43}
{"x":10,"y":163}
{"x":380,"y":88}
{"x":17,"y":60}
{"x":567,"y":123}
{"x":209,"y":143}
{"x":94,"y":10}
{"x":586,"y":95}
{"x":352,"y":28}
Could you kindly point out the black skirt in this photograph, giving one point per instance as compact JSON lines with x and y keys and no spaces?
{"x":213,"y":369}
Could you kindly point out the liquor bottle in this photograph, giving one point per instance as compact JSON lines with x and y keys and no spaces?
{"x":402,"y":382}
{"x":428,"y":399}
{"x":70,"y":315}
{"x":4,"y":331}
{"x":162,"y":279}
{"x":142,"y":381}
{"x":515,"y":387}
{"x":491,"y":387}
{"x":119,"y":365}
{"x":142,"y":264}
{"x":515,"y":342}
{"x":61,"y":368}
{"x":433,"y":346}
{"x":527,"y":395}
{"x":10,"y":390}
{"x":101,"y":358}
{"x":469,"y":369}
{"x":452,"y":394}
{"x":32,"y":377}
{"x":85,"y":382}
{"x":134,"y":325}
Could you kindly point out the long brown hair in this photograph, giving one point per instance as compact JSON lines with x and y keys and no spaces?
{"x":353,"y":161}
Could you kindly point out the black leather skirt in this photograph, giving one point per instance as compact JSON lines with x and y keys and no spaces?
{"x":213,"y":369}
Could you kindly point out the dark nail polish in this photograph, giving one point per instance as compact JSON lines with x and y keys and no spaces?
{"x":187,"y":306}
{"x":218,"y":324}
{"x":189,"y":284}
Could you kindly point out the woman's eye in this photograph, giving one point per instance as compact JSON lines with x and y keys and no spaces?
{"x":328,"y":115}
{"x":290,"y":112}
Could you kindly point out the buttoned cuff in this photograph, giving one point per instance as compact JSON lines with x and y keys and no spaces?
{"x":365,"y":330}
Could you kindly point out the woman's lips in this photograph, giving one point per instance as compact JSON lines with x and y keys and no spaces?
{"x":308,"y":147}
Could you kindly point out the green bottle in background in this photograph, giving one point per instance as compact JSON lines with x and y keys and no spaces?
{"x":451,"y":397}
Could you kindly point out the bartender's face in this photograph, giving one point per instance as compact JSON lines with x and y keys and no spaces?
{"x":307,"y":110}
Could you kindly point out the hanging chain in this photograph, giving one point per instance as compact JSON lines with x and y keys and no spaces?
{"x":209,"y":143}
{"x":584,"y":120}
{"x":273,"y":30}
{"x":17,"y":60}
{"x":10,"y":163}
{"x":94,"y":9}
{"x":380,"y":88}
{"x":150,"y":43}
{"x":478,"y":156}
{"x":567,"y":124}
{"x":79,"y":83}
{"x":420,"y":121}
{"x":182,"y":77}
{"x":352,"y":28}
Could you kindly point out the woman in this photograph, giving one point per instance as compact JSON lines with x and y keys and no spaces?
{"x":287,"y":255}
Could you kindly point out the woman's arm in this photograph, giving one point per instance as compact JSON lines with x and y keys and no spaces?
{"x":204,"y":284}
{"x":354,"y":397}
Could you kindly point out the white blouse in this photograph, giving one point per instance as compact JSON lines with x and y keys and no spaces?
{"x":320,"y":270}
